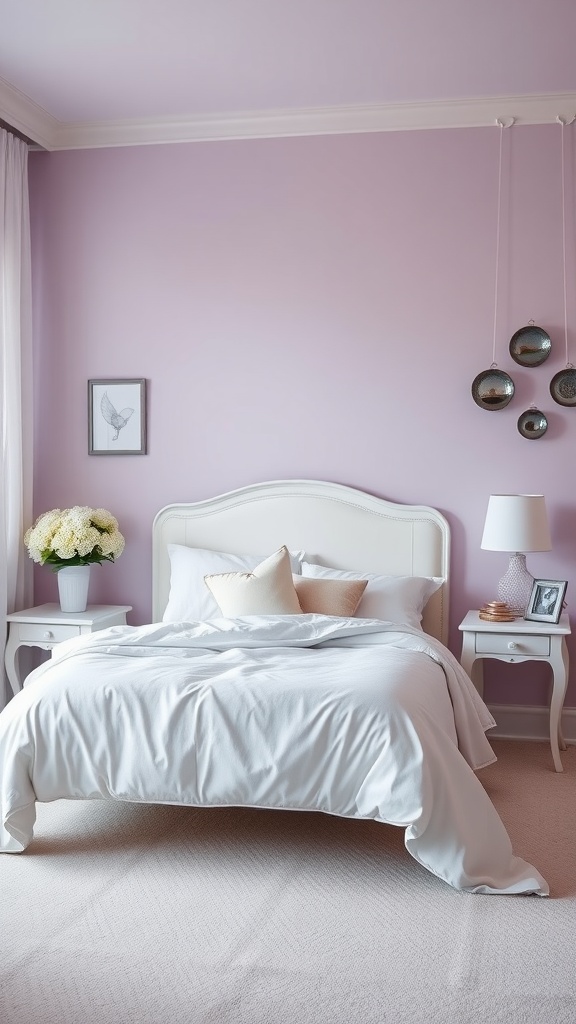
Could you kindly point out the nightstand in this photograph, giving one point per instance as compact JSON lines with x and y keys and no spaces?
{"x":45,"y":626}
{"x":521,"y":640}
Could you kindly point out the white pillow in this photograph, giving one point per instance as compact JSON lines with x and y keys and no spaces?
{"x":329,"y":597}
{"x":268,"y":590}
{"x":400,"y":599}
{"x":190,"y":600}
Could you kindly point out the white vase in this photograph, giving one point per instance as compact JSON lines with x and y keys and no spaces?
{"x":73,"y":583}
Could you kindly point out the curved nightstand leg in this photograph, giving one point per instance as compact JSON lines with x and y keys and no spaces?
{"x":470,"y":663}
{"x":10,"y":663}
{"x":477,"y":675}
{"x":566,"y":664}
{"x":559,"y":663}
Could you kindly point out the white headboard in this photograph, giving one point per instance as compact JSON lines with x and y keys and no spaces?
{"x":336,"y":525}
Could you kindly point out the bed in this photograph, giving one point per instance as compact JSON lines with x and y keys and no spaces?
{"x":347,"y":703}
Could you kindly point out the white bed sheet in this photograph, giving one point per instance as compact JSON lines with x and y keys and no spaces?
{"x":347,"y":716}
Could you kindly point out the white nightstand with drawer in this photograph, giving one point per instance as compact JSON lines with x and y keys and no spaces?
{"x":45,"y":626}
{"x":521,"y":640}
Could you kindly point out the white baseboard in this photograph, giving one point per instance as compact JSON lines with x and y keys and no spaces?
{"x":515,"y":721}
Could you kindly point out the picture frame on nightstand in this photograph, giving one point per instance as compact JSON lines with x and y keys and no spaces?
{"x":546,"y":601}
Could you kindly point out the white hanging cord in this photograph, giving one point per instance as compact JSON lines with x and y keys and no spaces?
{"x":502,"y":126}
{"x":563,"y":124}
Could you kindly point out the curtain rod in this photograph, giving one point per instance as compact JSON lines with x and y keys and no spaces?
{"x":19,"y":135}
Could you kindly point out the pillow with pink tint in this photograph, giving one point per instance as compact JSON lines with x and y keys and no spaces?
{"x":400,"y":599}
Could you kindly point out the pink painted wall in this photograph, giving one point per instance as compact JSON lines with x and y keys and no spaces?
{"x":307,"y":307}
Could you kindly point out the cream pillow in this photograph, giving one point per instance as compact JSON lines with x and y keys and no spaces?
{"x":267,"y":590}
{"x":329,"y":597}
{"x":189,"y":599}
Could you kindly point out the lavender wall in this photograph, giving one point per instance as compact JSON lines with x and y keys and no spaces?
{"x":308,"y":307}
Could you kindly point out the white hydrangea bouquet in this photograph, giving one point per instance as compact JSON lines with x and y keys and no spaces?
{"x":74,"y":536}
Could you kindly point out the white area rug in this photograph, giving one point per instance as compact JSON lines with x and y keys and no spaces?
{"x":144,"y":915}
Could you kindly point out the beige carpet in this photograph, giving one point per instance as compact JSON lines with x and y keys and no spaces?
{"x":145,"y":915}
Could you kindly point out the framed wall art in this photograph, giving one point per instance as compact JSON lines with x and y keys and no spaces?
{"x":117,"y":416}
{"x":546,"y":600}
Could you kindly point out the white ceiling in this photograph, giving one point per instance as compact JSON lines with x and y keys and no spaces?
{"x":101,"y":72}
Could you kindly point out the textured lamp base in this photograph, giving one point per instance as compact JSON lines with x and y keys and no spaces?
{"x":515,"y":587}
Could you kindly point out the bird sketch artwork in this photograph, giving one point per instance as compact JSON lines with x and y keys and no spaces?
{"x":118,"y":420}
{"x":117,"y":417}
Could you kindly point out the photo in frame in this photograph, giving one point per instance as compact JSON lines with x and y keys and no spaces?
{"x":117,"y":416}
{"x":546,"y":600}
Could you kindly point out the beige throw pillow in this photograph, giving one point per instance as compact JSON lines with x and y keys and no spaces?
{"x":399,"y":599}
{"x":329,"y":597}
{"x":267,"y":590}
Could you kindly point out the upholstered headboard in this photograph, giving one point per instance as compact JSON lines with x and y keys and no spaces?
{"x":336,"y":525}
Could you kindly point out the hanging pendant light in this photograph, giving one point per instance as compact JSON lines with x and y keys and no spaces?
{"x":563,"y":383}
{"x":493,"y":389}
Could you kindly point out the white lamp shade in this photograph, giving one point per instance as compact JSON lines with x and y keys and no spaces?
{"x":516,"y":522}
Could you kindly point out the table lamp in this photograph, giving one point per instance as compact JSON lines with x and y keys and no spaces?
{"x":516,"y":523}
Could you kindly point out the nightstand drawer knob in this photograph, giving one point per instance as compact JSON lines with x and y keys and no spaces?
{"x":48,"y":635}
{"x":512,"y":646}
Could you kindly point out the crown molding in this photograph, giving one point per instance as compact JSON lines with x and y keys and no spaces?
{"x":27,"y":117}
{"x":44,"y":130}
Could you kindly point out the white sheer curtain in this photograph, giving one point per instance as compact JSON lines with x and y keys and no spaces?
{"x":16,"y":393}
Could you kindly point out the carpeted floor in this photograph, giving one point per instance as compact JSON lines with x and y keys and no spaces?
{"x":144,"y":915}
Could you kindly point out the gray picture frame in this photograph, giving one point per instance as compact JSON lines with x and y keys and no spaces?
{"x":117,"y":416}
{"x":546,"y":601}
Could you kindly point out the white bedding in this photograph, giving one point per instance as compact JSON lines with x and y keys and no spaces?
{"x":312,"y":712}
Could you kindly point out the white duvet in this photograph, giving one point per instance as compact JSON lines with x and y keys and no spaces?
{"x":347,"y":716}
